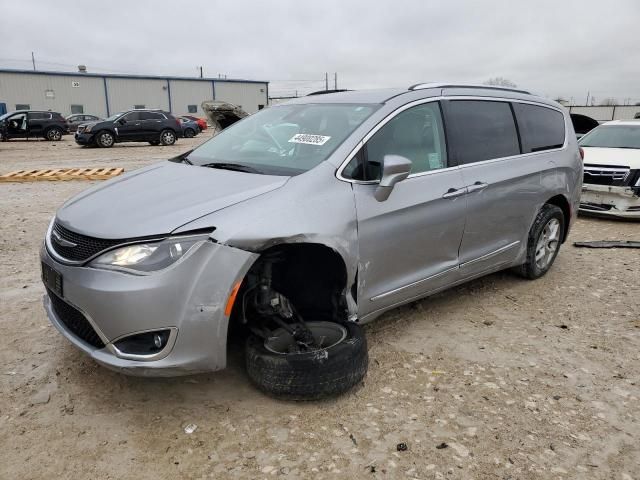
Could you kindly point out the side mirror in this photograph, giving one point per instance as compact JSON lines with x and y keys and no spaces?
{"x":394,"y":169}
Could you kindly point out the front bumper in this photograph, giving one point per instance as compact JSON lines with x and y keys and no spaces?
{"x":83,"y":138}
{"x":603,"y":200}
{"x":189,"y":298}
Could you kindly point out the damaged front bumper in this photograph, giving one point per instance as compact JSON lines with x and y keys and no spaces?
{"x":188,"y":299}
{"x":622,"y":202}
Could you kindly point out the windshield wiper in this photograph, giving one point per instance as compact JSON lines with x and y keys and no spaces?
{"x":232,"y":166}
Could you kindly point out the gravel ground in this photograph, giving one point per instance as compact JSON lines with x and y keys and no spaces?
{"x":499,"y":378}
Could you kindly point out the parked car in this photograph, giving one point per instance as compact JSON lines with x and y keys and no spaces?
{"x":189,"y":128}
{"x":153,"y":126}
{"x":33,"y":123}
{"x":612,"y":170}
{"x":202,"y":124}
{"x":306,"y":220}
{"x":78,"y":118}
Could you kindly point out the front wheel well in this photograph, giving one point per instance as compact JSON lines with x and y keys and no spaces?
{"x":561,"y":202}
{"x":312,"y":276}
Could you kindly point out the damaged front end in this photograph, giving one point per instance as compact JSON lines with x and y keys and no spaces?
{"x":611,"y":191}
{"x":222,"y":114}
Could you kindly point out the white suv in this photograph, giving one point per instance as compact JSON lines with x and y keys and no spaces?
{"x":611,"y":184}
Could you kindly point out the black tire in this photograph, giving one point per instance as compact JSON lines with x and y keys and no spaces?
{"x":309,"y":376}
{"x":155,"y":143}
{"x":167,"y":137}
{"x":105,"y":139}
{"x":53,"y":134}
{"x":189,"y":133}
{"x":532,"y":268}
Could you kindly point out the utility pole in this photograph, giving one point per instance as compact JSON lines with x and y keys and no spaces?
{"x":326,"y":81}
{"x":33,"y":61}
{"x":335,"y":81}
{"x":587,"y":102}
{"x":201,"y":71}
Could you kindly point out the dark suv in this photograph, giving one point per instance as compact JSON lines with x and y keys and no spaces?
{"x":33,"y":123}
{"x":153,"y":126}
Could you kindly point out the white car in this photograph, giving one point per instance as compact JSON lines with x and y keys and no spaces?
{"x":611,"y":184}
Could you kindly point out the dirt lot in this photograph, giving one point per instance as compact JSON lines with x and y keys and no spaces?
{"x":500,"y":378}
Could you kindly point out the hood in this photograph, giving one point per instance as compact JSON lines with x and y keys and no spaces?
{"x":629,"y":157}
{"x":158,"y":199}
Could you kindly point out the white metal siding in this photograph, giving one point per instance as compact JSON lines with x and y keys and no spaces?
{"x":30,"y":89}
{"x":246,"y":95}
{"x":124,"y":93}
{"x":606,"y":113}
{"x":190,"y":92}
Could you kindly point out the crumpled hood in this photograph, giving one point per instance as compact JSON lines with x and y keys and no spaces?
{"x":629,"y":157}
{"x":158,"y":199}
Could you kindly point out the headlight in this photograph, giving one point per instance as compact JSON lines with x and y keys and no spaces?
{"x":148,"y":257}
{"x":87,"y":128}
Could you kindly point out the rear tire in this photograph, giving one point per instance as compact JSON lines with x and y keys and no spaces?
{"x":189,"y":133}
{"x":53,"y":134}
{"x":167,"y":137}
{"x":310,"y":375}
{"x":543,"y":243}
{"x":105,"y":139}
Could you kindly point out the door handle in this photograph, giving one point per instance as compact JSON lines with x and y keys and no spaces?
{"x":455,"y":192}
{"x":476,"y":187}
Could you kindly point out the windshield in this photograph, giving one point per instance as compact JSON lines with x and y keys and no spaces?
{"x":283,"y":140}
{"x":114,"y":116}
{"x":613,"y":136}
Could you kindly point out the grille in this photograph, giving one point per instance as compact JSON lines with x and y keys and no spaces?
{"x":85,"y":247}
{"x":74,"y":320}
{"x":606,"y":175}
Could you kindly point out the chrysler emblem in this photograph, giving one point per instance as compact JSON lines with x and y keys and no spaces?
{"x":61,"y":241}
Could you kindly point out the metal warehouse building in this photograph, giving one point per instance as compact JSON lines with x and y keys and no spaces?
{"x":106,"y":94}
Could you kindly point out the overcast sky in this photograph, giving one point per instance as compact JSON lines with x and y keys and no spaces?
{"x":553,"y":47}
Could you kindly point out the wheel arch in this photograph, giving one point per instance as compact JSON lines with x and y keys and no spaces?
{"x":561,"y":202}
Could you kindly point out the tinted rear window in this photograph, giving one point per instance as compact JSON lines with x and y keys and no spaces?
{"x":540,"y":128}
{"x":481,"y":130}
{"x":151,"y":116}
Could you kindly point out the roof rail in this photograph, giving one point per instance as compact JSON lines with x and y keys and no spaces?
{"x":421,"y":86}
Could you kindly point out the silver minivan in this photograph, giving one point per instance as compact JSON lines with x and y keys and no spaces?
{"x":302,"y":222}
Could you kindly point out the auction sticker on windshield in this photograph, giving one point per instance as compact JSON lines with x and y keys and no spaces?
{"x":309,"y":139}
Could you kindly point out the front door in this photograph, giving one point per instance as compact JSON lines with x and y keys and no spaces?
{"x":17,"y":126}
{"x":130,"y":127}
{"x":408,"y":244}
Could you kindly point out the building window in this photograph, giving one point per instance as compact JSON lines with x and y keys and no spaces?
{"x":192,"y":108}
{"x":77,"y":109}
{"x":23,"y":106}
{"x":260,"y":107}
{"x":139,"y":107}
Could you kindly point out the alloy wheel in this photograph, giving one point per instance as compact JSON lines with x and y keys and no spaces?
{"x":547,"y":244}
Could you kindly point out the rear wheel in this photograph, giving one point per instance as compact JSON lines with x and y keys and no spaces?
{"x":167,"y":137}
{"x":105,"y":139}
{"x":189,"y":133}
{"x":278,"y":368}
{"x":53,"y":134}
{"x":543,"y":243}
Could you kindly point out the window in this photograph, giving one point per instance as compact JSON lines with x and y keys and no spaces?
{"x":151,"y":116}
{"x":416,"y":134}
{"x":23,"y":106}
{"x":613,"y":136}
{"x":481,"y":130}
{"x":39,"y":116}
{"x":132,"y":116}
{"x":77,"y":108}
{"x":139,"y":107}
{"x":192,"y":109}
{"x":540,"y":128}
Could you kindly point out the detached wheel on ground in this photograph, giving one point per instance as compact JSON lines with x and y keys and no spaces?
{"x":543,"y":242}
{"x":189,"y":133}
{"x":53,"y":134}
{"x":340,"y":363}
{"x":167,"y":137}
{"x":105,"y":139}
